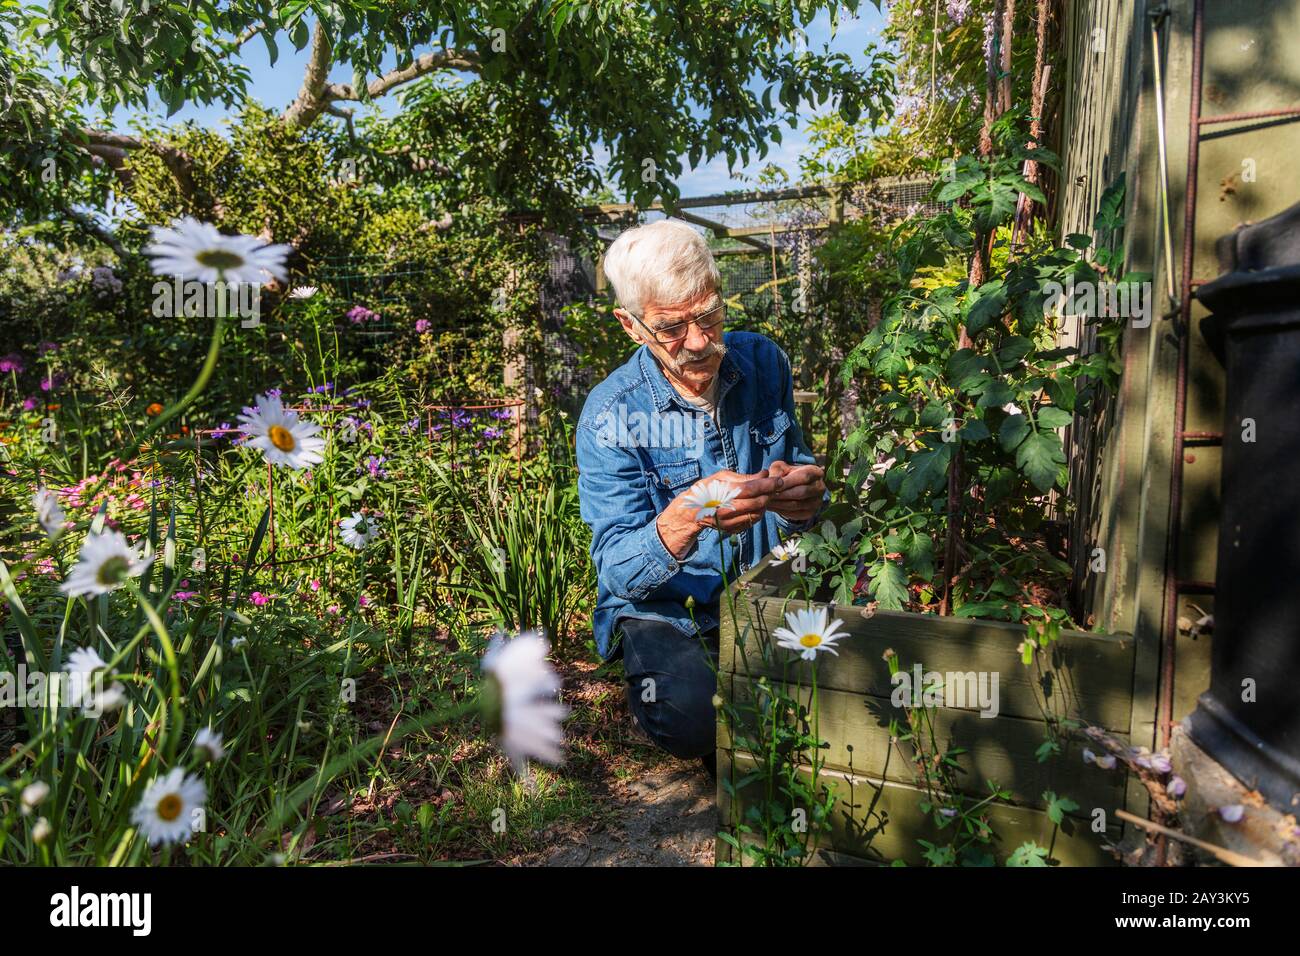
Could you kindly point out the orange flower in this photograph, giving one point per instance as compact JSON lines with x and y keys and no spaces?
{"x":154,"y":409}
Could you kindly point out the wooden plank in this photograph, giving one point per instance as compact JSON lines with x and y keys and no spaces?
{"x":1193,"y":657}
{"x":1092,"y":674}
{"x":1000,"y":749}
{"x":880,"y":821}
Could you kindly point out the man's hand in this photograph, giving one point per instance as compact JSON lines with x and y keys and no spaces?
{"x":678,"y":527}
{"x":801,"y":491}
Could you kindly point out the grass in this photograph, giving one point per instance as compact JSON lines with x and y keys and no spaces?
{"x":344,"y":682}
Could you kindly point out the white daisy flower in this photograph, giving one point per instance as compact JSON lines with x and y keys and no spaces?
{"x":34,"y":795}
{"x":237,"y":642}
{"x":48,"y":512}
{"x":209,"y":742}
{"x":809,"y":632}
{"x":88,"y":671}
{"x":785,"y":551}
{"x":519,"y":705}
{"x":196,"y":250}
{"x":303,"y":292}
{"x":358,"y":531}
{"x":710,"y":496}
{"x":167,"y":808}
{"x":105,"y":562}
{"x":283,"y":438}
{"x":41,"y":831}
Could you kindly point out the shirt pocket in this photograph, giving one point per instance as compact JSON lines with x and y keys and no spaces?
{"x":671,"y":478}
{"x":769,"y":431}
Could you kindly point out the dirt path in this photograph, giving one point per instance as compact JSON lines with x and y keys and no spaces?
{"x":655,"y":810}
{"x":664,"y":818}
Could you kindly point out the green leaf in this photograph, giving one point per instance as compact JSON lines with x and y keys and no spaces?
{"x":1028,"y":854}
{"x":997,"y":395}
{"x":1049,"y":416}
{"x":1058,"y":807}
{"x":1013,"y":431}
{"x":889,"y":585}
{"x":1110,"y":211}
{"x":1039,"y":456}
{"x":985,"y":305}
{"x":1014,"y":348}
{"x":974,"y":430}
{"x":1062,"y":393}
{"x":926,"y":471}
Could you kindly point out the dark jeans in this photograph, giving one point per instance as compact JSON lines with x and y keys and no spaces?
{"x":670,"y":685}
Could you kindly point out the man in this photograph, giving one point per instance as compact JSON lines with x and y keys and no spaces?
{"x":691,"y":406}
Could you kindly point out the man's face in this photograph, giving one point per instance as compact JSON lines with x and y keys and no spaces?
{"x":692,"y":361}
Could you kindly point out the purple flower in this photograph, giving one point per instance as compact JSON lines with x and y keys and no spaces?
{"x":45,"y":347}
{"x":13,"y":362}
{"x":104,"y":281}
{"x":422,"y":326}
{"x":460,"y":419}
{"x":30,"y":404}
{"x":492,"y":433}
{"x":958,"y":11}
{"x":274,"y":392}
{"x":359,"y":314}
{"x":1176,"y":787}
{"x":55,"y":381}
{"x":374,"y":466}
{"x":1232,"y":813}
{"x":502,"y":414}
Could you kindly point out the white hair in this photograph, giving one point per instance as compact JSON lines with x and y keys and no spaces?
{"x":663,"y":263}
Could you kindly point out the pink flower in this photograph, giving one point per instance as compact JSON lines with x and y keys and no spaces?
{"x":259,"y":599}
{"x":422,"y":326}
{"x":365,"y":601}
{"x":315,"y":584}
{"x":333,"y":609}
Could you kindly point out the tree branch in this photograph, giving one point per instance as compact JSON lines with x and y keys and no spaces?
{"x":93,"y":229}
{"x":312,"y":99}
{"x":421,"y":65}
{"x":116,"y":148}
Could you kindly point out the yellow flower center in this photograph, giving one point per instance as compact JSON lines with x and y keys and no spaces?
{"x":281,"y":438}
{"x":713,"y":503}
{"x":810,"y":640}
{"x":219,"y":258}
{"x":169,"y":807}
{"x":114,"y":570}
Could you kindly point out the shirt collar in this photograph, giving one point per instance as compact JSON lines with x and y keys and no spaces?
{"x":734,"y":367}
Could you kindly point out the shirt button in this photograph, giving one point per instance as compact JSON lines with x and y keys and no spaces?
{"x":672,"y":565}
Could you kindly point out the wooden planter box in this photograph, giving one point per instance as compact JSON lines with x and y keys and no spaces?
{"x":877,"y":817}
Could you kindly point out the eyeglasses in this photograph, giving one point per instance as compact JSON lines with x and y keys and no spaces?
{"x":706,"y":321}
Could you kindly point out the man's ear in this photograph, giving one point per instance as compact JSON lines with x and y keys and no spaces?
{"x":625,"y":319}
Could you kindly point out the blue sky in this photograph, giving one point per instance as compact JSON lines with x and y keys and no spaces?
{"x":275,"y":86}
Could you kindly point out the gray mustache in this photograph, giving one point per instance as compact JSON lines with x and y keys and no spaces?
{"x":695,"y":355}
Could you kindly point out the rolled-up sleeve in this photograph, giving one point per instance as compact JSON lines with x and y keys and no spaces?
{"x":630,"y":559}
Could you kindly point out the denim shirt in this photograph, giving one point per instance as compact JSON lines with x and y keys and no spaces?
{"x":640,"y":445}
